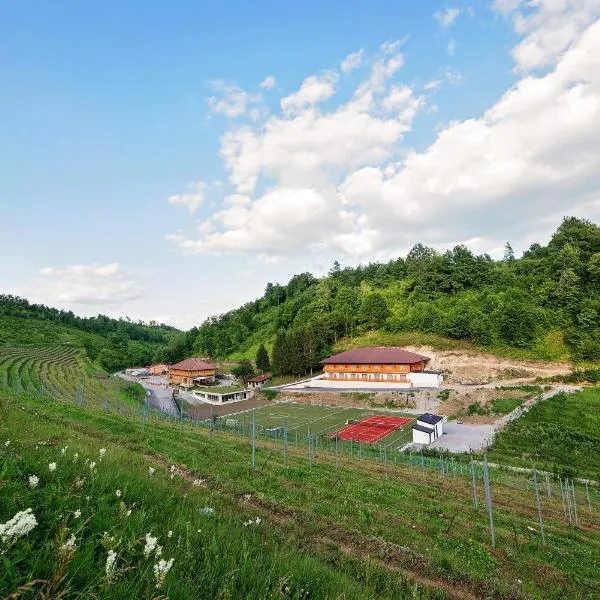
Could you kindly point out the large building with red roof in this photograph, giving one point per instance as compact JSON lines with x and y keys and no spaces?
{"x":191,"y":371}
{"x":383,"y":365}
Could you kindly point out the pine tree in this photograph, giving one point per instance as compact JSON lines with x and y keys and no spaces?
{"x":263,"y":364}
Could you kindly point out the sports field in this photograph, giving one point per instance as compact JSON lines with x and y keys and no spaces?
{"x":300,"y":420}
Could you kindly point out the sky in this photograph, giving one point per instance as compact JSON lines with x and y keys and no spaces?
{"x":166,"y":160}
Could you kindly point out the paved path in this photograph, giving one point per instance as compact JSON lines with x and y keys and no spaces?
{"x":160,"y":398}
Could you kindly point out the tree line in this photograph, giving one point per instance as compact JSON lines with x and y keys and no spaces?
{"x":514,"y":302}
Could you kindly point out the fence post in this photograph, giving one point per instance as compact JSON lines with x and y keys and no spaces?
{"x":539,"y":506}
{"x":587,"y":493}
{"x":337,"y":458}
{"x":253,"y":436}
{"x":574,"y":503}
{"x":284,"y":440}
{"x":488,"y":499}
{"x":562,"y":496}
{"x":475,"y":500}
{"x":568,"y":495}
{"x":548,"y":488}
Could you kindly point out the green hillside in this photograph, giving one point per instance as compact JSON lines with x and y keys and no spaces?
{"x":545,"y":304}
{"x":326,"y":528}
{"x":111,"y":343}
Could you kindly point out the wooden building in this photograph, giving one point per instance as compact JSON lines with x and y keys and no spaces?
{"x":160,"y":369}
{"x":258,"y":381}
{"x":385,"y":364}
{"x":191,"y":371}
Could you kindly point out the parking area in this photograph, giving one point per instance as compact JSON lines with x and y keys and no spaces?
{"x":464,"y":437}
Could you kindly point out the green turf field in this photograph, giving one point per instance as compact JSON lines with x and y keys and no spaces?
{"x":302,"y":419}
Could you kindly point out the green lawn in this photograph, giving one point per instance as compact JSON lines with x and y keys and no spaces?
{"x":319,"y":421}
{"x":561,"y":434}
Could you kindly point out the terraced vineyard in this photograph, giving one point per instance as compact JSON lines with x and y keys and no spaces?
{"x":63,"y":372}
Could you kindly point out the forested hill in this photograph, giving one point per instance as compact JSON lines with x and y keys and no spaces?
{"x":550,"y":294}
{"x":114,"y":343}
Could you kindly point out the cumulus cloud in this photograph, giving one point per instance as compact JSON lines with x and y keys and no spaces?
{"x":268,"y":83}
{"x":548,"y":27}
{"x":352,"y":61}
{"x":232,"y":101}
{"x":192,"y":199}
{"x":446,"y":16}
{"x":94,"y":284}
{"x":314,"y":89}
{"x":338,"y":180}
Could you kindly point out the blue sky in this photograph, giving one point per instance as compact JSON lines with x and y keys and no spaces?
{"x":145,"y":171}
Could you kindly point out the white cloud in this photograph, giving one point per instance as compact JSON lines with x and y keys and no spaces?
{"x":268,"y":83}
{"x":451,"y":47}
{"x":338,"y":181}
{"x":314,"y":89}
{"x":548,"y":27}
{"x":352,"y":61}
{"x":192,"y":199}
{"x":95,"y":284}
{"x":447,"y":16}
{"x":234,"y":102}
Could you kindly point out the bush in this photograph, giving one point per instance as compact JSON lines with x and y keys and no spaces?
{"x":443,"y":395}
{"x":270,"y":394}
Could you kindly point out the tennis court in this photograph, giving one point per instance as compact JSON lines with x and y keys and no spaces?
{"x":372,"y":429}
{"x":303,"y":420}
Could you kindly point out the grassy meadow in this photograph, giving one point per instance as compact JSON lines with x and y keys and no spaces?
{"x":561,"y":434}
{"x":355,"y":531}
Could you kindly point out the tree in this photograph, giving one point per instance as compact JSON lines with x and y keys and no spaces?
{"x":374,"y":311}
{"x":509,"y":253}
{"x":243,"y":370}
{"x":263,"y":363}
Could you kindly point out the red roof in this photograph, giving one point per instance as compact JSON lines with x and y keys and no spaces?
{"x":260,"y":378}
{"x":192,"y":364}
{"x":382,"y":355}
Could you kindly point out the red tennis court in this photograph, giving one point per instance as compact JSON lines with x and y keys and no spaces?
{"x":372,"y":429}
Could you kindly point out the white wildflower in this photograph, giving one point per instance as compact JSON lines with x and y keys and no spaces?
{"x":207,"y":510}
{"x":79,"y":482}
{"x":128,"y":513}
{"x":255,"y":521}
{"x":52,"y":467}
{"x":21,"y":524}
{"x":530,"y":528}
{"x":118,"y":493}
{"x":170,"y":534}
{"x":172,"y":468}
{"x":75,"y":456}
{"x":7,"y":443}
{"x":63,"y":451}
{"x":151,"y":542}
{"x":69,"y":547}
{"x":199,"y":481}
{"x":158,"y":551}
{"x":161,"y":568}
{"x":151,"y":470}
{"x":87,"y":462}
{"x":102,"y":453}
{"x":247,"y":497}
{"x":33,"y":481}
{"x":92,"y":466}
{"x":111,"y":560}
{"x":172,"y":475}
{"x":77,"y":514}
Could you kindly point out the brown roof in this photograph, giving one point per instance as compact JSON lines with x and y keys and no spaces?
{"x":260,"y":378}
{"x":381,"y":355}
{"x":192,"y":364}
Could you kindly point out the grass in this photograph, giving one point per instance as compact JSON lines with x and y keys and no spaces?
{"x":561,"y":434}
{"x":503,"y":406}
{"x":302,"y":420}
{"x":62,"y":371}
{"x":326,"y":532}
